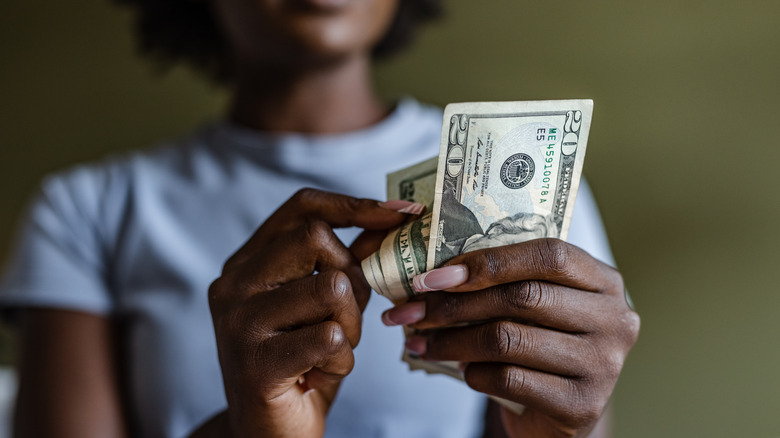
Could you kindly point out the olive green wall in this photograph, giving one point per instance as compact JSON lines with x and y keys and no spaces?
{"x":682,"y":156}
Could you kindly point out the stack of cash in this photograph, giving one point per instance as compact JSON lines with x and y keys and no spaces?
{"x":507,"y":172}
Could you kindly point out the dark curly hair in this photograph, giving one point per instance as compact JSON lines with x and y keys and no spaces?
{"x":186,"y":31}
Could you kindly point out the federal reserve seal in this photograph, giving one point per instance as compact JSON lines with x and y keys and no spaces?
{"x":517,"y":171}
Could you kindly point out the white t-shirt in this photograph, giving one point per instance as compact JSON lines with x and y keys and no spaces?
{"x":141,"y":237}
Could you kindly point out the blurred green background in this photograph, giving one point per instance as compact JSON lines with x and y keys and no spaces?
{"x":682,"y":157}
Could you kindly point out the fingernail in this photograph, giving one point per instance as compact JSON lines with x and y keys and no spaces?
{"x":442,"y":278}
{"x":417,"y":345}
{"x":403,"y":206}
{"x":404,"y":314}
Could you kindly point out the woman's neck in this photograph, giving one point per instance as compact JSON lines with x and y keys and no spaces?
{"x":327,"y":98}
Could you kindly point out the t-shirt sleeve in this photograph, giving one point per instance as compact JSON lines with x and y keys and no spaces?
{"x":58,"y":260}
{"x":587,"y":230}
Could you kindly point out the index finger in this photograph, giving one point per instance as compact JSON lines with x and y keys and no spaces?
{"x":551,"y":260}
{"x":340,"y":211}
{"x":334,"y":209}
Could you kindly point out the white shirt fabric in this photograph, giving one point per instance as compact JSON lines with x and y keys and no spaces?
{"x":140,"y":238}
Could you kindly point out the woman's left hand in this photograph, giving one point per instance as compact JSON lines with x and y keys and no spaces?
{"x":548,"y":327}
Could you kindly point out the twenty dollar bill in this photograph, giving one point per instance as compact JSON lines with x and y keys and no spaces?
{"x":507,"y":172}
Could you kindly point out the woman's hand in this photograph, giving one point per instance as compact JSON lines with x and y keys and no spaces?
{"x":549,"y":327}
{"x":285,"y":336}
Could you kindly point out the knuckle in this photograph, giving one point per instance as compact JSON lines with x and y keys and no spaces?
{"x":332,"y":336}
{"x":343,"y":365}
{"x":587,"y":414}
{"x":614,"y":365}
{"x":626,"y":326}
{"x":349,"y":365}
{"x":240,"y":336}
{"x":636,"y":323}
{"x":245,"y":325}
{"x":351,"y":204}
{"x":216,"y":294}
{"x":232,"y":262}
{"x":585,"y":407}
{"x":633,"y":323}
{"x":510,"y":380}
{"x":317,"y":231}
{"x":332,"y":289}
{"x":604,"y":366}
{"x":554,"y":255}
{"x":617,"y":279}
{"x":491,"y":264}
{"x":305,"y":196}
{"x":246,"y":281}
{"x":502,"y":339}
{"x":526,"y":295}
{"x":601,"y":364}
{"x":590,"y":411}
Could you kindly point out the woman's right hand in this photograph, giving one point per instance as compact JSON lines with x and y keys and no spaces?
{"x":287,"y":313}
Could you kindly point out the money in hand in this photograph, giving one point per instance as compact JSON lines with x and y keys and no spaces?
{"x":507,"y":172}
{"x":404,"y":252}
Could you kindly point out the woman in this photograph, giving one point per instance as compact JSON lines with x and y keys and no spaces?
{"x":125,"y":331}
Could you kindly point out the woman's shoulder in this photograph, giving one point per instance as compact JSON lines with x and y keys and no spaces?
{"x":119,"y":170}
{"x":97,"y":198}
